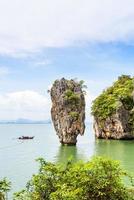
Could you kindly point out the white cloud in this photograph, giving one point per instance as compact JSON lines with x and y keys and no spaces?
{"x":42,"y":63}
{"x":24,"y":104}
{"x":29,"y":104}
{"x":29,"y":25}
{"x":4,"y":71}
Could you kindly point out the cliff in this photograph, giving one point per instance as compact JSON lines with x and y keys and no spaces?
{"x":113,"y":110}
{"x":68,"y":110}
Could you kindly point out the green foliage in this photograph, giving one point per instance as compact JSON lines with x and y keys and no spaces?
{"x":22,"y":195}
{"x":74,"y":115}
{"x":72,"y":97}
{"x":82,"y":85}
{"x":111,"y":99}
{"x":4,"y":188}
{"x":99,"y":179}
{"x":131,"y":192}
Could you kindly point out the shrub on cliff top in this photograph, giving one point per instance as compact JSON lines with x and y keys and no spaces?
{"x":110,"y":100}
{"x":72,"y":96}
{"x":99,"y":179}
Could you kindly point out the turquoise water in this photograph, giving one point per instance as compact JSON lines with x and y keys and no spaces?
{"x":17,"y":158}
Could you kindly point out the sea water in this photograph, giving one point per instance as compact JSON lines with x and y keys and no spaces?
{"x":17,"y":158}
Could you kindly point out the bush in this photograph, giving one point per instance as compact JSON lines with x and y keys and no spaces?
{"x":74,"y":115}
{"x":99,"y":179}
{"x":4,"y":188}
{"x":110,"y":100}
{"x":72,"y":97}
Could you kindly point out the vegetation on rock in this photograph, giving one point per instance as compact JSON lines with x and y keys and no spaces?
{"x":110,"y":100}
{"x":99,"y":179}
{"x":71,"y":97}
{"x":74,"y":115}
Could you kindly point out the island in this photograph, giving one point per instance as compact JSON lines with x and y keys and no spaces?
{"x":68,"y":109}
{"x":113,"y":110}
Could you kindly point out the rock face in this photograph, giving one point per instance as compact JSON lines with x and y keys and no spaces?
{"x":116,"y":126}
{"x":68,"y":110}
{"x":113,"y":110}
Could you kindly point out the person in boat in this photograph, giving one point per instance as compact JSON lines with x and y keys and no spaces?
{"x":26,"y":137}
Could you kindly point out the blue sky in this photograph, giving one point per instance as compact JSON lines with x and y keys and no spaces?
{"x":54,"y":39}
{"x":99,"y":64}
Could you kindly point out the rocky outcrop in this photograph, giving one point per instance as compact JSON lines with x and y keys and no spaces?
{"x":68,"y":110}
{"x":117,"y":126}
{"x":113,"y":110}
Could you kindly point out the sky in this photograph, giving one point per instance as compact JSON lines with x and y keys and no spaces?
{"x":44,"y":40}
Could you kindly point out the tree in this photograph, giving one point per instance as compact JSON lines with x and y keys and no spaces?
{"x":113,"y":97}
{"x":98,"y":179}
{"x":4,"y":188}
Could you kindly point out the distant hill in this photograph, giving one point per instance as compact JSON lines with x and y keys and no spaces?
{"x":25,"y":121}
